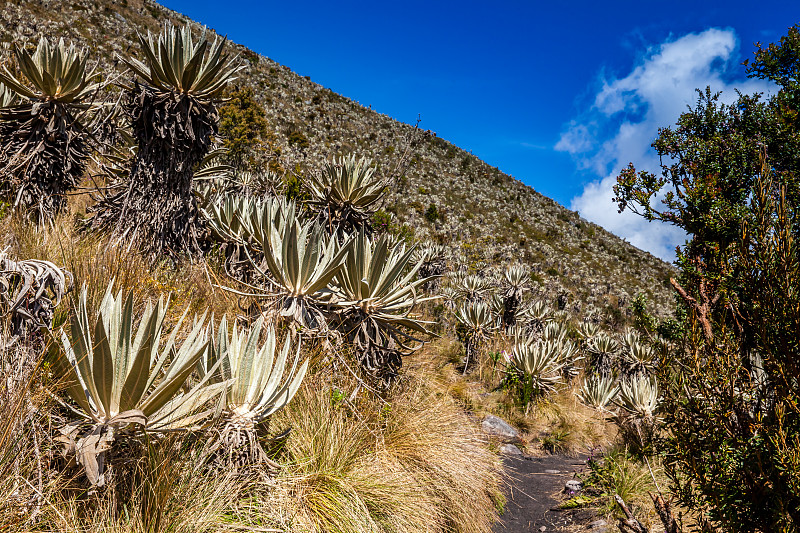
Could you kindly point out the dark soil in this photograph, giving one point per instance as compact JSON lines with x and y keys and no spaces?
{"x":535,"y":489}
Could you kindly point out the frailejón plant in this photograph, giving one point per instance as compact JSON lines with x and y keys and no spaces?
{"x":376,"y":293}
{"x":598,"y":391}
{"x":346,"y":192}
{"x":260,"y":386}
{"x":478,"y":323}
{"x":124,"y":381}
{"x":173,"y":109}
{"x":44,"y":135}
{"x":301,"y":261}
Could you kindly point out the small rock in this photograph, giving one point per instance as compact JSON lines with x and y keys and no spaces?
{"x":510,"y":449}
{"x":598,"y":525}
{"x":573,"y":486}
{"x":543,"y":528}
{"x":497,"y":427}
{"x":552,"y":471}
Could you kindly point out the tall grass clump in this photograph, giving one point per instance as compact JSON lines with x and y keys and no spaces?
{"x":23,"y":480}
{"x":166,"y":489}
{"x":411,"y":462}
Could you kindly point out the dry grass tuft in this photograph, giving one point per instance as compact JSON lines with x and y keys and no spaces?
{"x":410,"y":463}
{"x":164,"y":490}
{"x":21,"y":479}
{"x":563,"y":424}
{"x":94,"y":260}
{"x":438,"y":445}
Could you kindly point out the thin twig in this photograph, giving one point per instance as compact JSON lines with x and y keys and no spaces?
{"x":44,"y":498}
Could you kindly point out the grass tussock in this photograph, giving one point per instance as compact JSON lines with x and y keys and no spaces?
{"x":163,"y":490}
{"x":21,"y":478}
{"x":617,"y":472}
{"x":411,"y":462}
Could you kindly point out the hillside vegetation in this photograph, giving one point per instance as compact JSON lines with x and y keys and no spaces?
{"x":486,"y":216}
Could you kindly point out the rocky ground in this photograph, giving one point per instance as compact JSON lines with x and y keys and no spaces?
{"x":536,"y":486}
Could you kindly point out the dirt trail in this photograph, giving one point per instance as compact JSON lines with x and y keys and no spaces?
{"x":534,"y":489}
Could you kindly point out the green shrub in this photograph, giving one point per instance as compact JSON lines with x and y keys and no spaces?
{"x":243,"y":126}
{"x":298,"y":138}
{"x":294,"y":188}
{"x":432,"y":213}
{"x":731,"y":403}
{"x":383,"y":222}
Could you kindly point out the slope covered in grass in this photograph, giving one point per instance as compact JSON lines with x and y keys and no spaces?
{"x":484,"y":215}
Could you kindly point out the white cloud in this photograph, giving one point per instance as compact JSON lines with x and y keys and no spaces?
{"x":624,"y":119}
{"x":576,"y":139}
{"x":534,"y":146}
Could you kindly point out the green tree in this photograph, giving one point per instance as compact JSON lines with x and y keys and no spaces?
{"x":729,"y":178}
{"x":243,"y":126}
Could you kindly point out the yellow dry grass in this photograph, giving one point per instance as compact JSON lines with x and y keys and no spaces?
{"x":410,"y":462}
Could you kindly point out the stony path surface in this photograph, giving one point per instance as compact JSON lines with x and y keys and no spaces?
{"x":534,"y":489}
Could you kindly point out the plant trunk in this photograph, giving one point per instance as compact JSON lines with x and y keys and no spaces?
{"x":44,"y":154}
{"x":510,"y":306}
{"x":664,"y":511}
{"x":629,"y":524}
{"x":156,"y":208}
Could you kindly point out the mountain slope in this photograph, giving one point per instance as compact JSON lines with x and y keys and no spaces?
{"x":485,"y":216}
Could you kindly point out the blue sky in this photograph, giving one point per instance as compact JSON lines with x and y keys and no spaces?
{"x":560,"y":95}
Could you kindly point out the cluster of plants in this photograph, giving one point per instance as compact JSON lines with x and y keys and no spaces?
{"x":339,"y":278}
{"x":310,"y":287}
{"x":170,"y":113}
{"x":544,"y":350}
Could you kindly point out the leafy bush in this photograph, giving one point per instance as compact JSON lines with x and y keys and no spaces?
{"x":730,"y":397}
{"x":298,"y":138}
{"x":432,"y":213}
{"x":383,"y":222}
